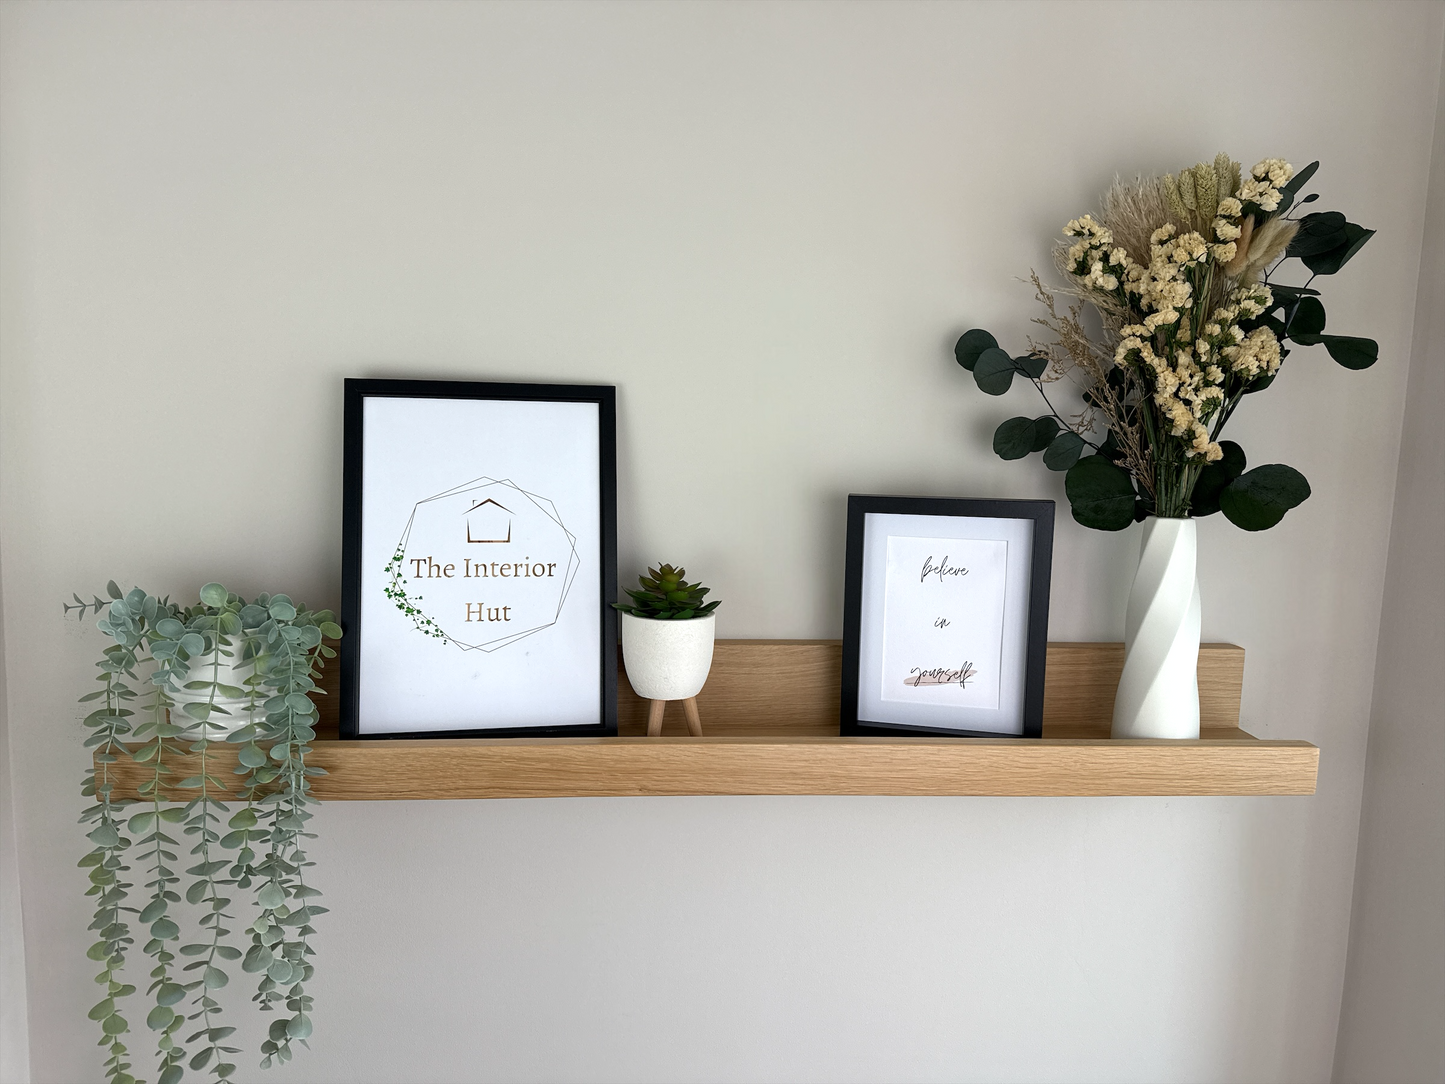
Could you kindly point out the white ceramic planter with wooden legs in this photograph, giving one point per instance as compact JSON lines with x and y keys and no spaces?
{"x":668,"y":660}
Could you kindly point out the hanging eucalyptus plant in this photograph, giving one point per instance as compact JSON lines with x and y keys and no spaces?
{"x":163,"y":699}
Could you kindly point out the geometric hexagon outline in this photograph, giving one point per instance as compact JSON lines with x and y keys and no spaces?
{"x":483,"y":491}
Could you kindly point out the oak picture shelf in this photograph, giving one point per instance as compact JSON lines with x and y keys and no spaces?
{"x":770,"y":720}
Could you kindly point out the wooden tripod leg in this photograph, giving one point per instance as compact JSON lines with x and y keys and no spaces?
{"x":654,"y":718}
{"x":694,"y":721}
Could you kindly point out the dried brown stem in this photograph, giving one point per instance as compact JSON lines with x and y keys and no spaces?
{"x":1073,"y":352}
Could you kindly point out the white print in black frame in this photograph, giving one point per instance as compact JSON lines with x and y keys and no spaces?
{"x":945,"y":616}
{"x":479,"y":559}
{"x":943,"y":620}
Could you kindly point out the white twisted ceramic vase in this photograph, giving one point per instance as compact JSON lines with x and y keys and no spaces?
{"x":1158,"y":693}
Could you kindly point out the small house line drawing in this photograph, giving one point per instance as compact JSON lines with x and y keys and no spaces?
{"x":485,"y":522}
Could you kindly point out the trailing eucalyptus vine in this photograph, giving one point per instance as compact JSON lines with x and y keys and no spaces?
{"x":168,"y":700}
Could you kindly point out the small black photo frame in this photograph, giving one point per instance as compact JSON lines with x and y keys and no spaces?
{"x":479,"y":560}
{"x":946,"y":616}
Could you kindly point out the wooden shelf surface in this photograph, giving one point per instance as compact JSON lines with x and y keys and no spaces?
{"x":770,"y":715}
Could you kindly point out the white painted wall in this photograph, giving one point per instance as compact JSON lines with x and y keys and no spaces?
{"x":1395,"y":982}
{"x":766,"y":224}
{"x":14,"y":1007}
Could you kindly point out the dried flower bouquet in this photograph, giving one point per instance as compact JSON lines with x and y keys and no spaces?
{"x":1181,"y":272}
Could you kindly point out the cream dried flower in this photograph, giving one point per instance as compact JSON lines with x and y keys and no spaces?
{"x":1275,"y":170}
{"x":1260,"y":193}
{"x":1225,"y":230}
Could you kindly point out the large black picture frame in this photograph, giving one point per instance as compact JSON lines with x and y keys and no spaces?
{"x":1040,"y":512}
{"x":603,"y":547}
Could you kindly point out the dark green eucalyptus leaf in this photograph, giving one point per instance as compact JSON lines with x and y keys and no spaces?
{"x":1318,"y":232}
{"x":1328,"y":263}
{"x":1258,"y":499}
{"x":1262,"y":382}
{"x":971,"y":345}
{"x":1292,"y":187}
{"x":1032,"y":365}
{"x":1288,"y":292}
{"x":994,"y":371}
{"x":1214,"y":477}
{"x":1351,"y":351}
{"x":1014,"y":438}
{"x":1045,"y":429}
{"x":1308,"y":318}
{"x":1100,"y":494}
{"x":1295,"y":183}
{"x":1064,"y":451}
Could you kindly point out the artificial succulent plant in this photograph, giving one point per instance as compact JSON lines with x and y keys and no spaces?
{"x":666,"y":595}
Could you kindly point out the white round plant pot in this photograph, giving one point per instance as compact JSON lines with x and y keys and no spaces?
{"x":667,"y":660}
{"x":235,"y":711}
{"x":1158,"y":693}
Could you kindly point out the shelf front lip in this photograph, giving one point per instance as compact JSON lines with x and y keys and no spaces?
{"x":418,"y":769}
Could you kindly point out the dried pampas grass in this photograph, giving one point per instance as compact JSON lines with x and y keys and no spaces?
{"x":1133,"y":211}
